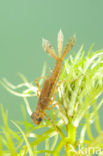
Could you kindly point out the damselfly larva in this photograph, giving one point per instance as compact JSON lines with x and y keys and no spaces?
{"x":50,"y":83}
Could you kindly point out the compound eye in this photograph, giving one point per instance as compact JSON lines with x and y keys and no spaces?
{"x":39,"y":119}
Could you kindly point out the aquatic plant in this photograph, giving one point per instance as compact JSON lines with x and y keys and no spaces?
{"x":79,"y":101}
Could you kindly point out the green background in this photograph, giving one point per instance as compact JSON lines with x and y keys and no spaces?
{"x":23,"y":24}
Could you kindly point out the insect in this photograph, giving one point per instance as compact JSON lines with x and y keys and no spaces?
{"x":50,"y":84}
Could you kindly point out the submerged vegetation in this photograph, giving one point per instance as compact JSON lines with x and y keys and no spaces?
{"x":79,"y":97}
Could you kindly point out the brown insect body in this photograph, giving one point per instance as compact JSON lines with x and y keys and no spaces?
{"x":49,"y":86}
{"x":47,"y":92}
{"x":50,"y":83}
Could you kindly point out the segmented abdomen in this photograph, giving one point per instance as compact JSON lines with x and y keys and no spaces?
{"x":49,"y":86}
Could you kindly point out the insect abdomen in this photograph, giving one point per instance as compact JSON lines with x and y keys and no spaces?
{"x":54,"y":77}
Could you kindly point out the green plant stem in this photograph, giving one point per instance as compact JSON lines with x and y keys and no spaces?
{"x":59,"y":146}
{"x":71,"y":133}
{"x":67,"y":141}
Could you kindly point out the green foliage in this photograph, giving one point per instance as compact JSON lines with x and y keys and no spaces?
{"x":79,"y":99}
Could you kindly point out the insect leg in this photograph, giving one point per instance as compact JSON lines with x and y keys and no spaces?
{"x":55,"y":93}
{"x":56,"y":90}
{"x":42,"y":77}
{"x":37,"y":84}
{"x":39,"y":89}
{"x":49,"y":108}
{"x":59,"y":106}
{"x":63,"y":81}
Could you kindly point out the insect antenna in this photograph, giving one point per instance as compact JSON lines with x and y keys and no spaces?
{"x":69,"y":46}
{"x":60,"y":42}
{"x":48,"y":48}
